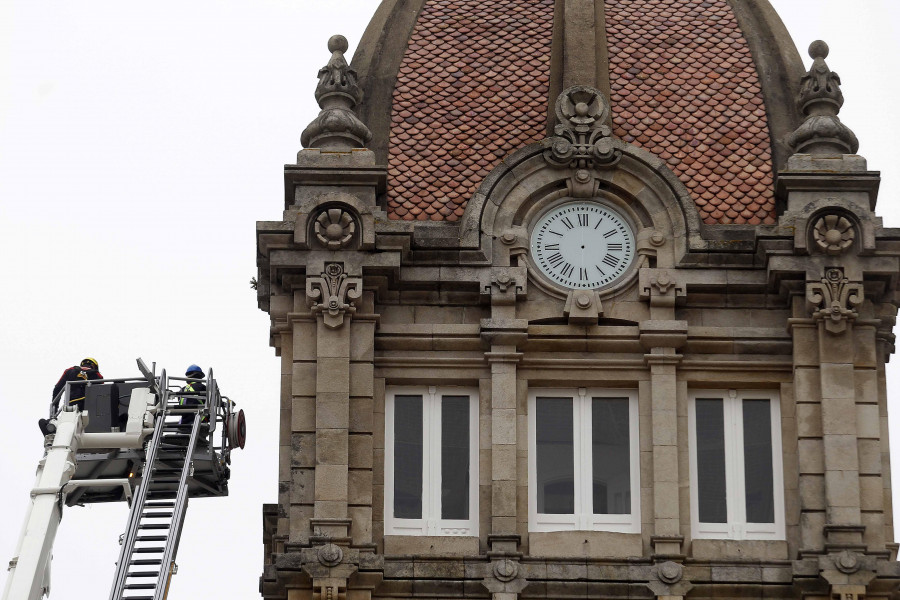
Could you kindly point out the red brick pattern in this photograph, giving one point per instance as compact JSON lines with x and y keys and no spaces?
{"x":472,"y":87}
{"x":685,"y":87}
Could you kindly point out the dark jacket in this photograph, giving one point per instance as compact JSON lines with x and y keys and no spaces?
{"x":193,"y":387}
{"x":75,"y":373}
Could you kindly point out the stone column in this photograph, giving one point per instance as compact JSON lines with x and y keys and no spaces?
{"x":503,"y":332}
{"x":661,"y":337}
{"x":332,"y":294}
{"x":833,"y":300}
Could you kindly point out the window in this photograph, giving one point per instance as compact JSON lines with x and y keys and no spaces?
{"x":736,"y":481}
{"x":431,"y":461}
{"x":583,"y":460}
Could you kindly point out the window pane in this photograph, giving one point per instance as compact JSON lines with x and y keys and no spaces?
{"x":611,"y":456}
{"x":408,"y":457}
{"x":711,"y":498}
{"x":455,"y":457}
{"x":758,"y":478}
{"x":555,"y":455}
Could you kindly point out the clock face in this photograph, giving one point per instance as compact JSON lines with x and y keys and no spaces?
{"x":584,"y":245}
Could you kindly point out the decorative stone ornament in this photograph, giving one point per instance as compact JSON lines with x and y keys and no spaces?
{"x":506,"y":569}
{"x":847,"y":562}
{"x":333,"y":294}
{"x":820,"y":99}
{"x":670,"y":572}
{"x":583,"y":139}
{"x":833,"y":234}
{"x":834,"y":299}
{"x":330,"y":555}
{"x":334,"y":228}
{"x":337,"y":128}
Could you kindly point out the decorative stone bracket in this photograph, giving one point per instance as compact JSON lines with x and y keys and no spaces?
{"x":661,"y":288}
{"x":583,"y":307}
{"x":667,"y":580}
{"x":833,"y":300}
{"x":504,"y":284}
{"x":583,"y":140}
{"x":333,"y":294}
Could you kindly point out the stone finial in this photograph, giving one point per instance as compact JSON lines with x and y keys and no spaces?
{"x":820,"y":100}
{"x":337,"y":127}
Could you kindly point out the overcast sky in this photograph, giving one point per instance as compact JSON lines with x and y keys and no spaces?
{"x":139,"y":143}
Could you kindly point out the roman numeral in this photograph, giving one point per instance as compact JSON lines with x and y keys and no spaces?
{"x":602,"y":272}
{"x":555,"y":259}
{"x":554,"y":247}
{"x":567,"y":222}
{"x":611,"y":260}
{"x":567,"y":270}
{"x":609,"y":233}
{"x":582,"y":274}
{"x":598,"y":223}
{"x":555,"y":233}
{"x":583,"y":219}
{"x":614,"y":247}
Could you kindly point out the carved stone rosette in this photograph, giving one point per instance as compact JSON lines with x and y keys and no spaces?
{"x":333,"y":294}
{"x":334,"y":228}
{"x":833,"y":234}
{"x":834,"y":299}
{"x":583,"y":139}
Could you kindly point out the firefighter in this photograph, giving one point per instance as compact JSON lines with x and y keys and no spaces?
{"x":88,"y":370}
{"x":192,"y":387}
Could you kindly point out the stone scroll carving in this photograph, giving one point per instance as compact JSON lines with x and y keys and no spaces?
{"x":834,"y":300}
{"x":583,"y":138}
{"x":333,"y":293}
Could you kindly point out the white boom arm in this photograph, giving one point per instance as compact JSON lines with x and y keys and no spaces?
{"x":29,"y":570}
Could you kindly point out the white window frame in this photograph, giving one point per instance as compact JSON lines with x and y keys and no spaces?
{"x":736,"y":527}
{"x":430,"y":523}
{"x":583,"y":518}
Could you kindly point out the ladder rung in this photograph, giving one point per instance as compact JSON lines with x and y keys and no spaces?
{"x":143,"y":574}
{"x":154,"y":549}
{"x":158,"y":504}
{"x":140,"y":586}
{"x":137,"y":597}
{"x":145,"y":561}
{"x":151,"y":538}
{"x":154,"y":526}
{"x":156,"y":515}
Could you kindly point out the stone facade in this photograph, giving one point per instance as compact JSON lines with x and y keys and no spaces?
{"x":800,"y":312}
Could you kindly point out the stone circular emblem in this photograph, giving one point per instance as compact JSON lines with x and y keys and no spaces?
{"x":334,"y":228}
{"x":847,"y":562}
{"x":330,"y":555}
{"x":833,"y":234}
{"x":506,"y":569}
{"x":670,"y":572}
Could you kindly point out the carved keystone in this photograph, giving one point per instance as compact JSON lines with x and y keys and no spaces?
{"x":583,"y":140}
{"x":583,"y":307}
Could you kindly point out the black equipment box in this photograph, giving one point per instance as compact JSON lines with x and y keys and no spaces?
{"x":102,"y":404}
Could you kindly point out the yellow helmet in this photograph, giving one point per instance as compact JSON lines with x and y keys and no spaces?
{"x":92,"y":363}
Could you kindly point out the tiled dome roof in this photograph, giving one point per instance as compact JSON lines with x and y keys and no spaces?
{"x":470,"y":84}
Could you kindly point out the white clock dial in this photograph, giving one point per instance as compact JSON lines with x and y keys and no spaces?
{"x":584,"y":245}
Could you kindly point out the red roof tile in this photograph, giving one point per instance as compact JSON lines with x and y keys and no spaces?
{"x":685,"y":65}
{"x":476,"y":75}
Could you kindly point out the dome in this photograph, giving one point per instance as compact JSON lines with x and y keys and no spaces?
{"x":708,"y":87}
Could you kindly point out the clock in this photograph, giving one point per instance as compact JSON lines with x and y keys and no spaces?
{"x":582,"y":245}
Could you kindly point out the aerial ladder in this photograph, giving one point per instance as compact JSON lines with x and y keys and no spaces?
{"x":143,"y":440}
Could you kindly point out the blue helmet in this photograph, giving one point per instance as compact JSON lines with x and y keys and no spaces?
{"x":194,"y":372}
